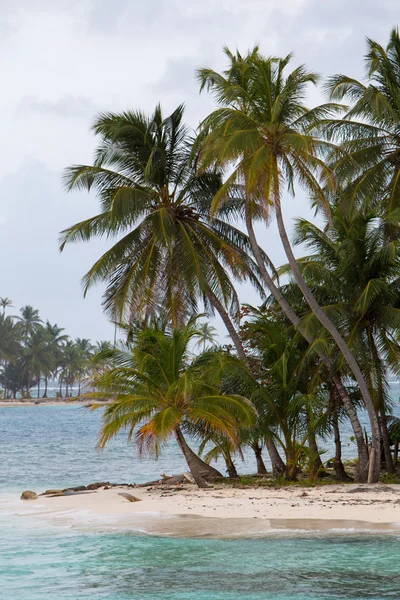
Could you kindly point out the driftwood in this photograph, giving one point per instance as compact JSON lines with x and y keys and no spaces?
{"x":129,"y":497}
{"x":170,"y":480}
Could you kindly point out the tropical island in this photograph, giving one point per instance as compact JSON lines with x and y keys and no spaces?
{"x":184,"y":210}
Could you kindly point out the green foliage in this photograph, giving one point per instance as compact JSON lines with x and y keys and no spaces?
{"x":156,"y":386}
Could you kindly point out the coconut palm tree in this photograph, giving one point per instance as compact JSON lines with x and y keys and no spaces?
{"x":29,"y":321}
{"x":5,"y":303}
{"x":10,"y":339}
{"x":37,"y":358}
{"x":168,"y":253}
{"x":55,"y":341}
{"x":369,"y":131}
{"x":356,"y":271}
{"x":264,"y":130}
{"x":158,"y":388}
{"x":207,"y":335}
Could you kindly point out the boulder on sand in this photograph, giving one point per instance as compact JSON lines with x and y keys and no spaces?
{"x":28,"y":495}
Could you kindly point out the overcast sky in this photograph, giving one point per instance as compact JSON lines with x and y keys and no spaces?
{"x":65,"y":60}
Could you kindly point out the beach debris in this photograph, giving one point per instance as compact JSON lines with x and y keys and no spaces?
{"x":97,"y":485}
{"x":28,"y":495}
{"x":170,"y":480}
{"x":129,"y":497}
{"x":52,"y":493}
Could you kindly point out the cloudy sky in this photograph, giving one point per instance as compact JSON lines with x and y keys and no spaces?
{"x":65,"y":60}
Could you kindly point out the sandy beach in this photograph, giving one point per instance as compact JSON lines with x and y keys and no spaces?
{"x":226,"y":511}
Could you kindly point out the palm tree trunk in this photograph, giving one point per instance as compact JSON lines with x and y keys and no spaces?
{"x":38,"y":387}
{"x":230,"y":466}
{"x":46,"y":381}
{"x":339,"y":467}
{"x":315,"y":458}
{"x":336,"y":378}
{"x":261,"y":468}
{"x":61,"y":387}
{"x":227,"y":322}
{"x":396,"y":453}
{"x":278,"y":466}
{"x":323,"y":318}
{"x":386,"y":443}
{"x":198,"y":468}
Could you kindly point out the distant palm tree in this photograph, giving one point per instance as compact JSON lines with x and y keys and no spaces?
{"x":10,"y":339}
{"x":37,"y":358}
{"x":157,"y":388}
{"x":85,"y":348}
{"x":5,"y":303}
{"x":55,"y":341}
{"x":30,"y":321}
{"x":207,"y":334}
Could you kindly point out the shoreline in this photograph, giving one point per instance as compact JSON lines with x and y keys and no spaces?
{"x":186,"y":511}
{"x":48,"y":402}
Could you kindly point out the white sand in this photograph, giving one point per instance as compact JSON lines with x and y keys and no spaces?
{"x":248,"y":510}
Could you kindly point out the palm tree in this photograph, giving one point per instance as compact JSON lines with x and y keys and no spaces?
{"x":264,"y":130}
{"x":369,"y":131}
{"x":37,"y":358}
{"x":290,"y":398}
{"x":169,"y":253}
{"x":55,"y":340}
{"x":157,"y":388}
{"x":356,"y":271}
{"x":30,"y":321}
{"x":207,"y":335}
{"x":71,"y":365}
{"x":5,"y":303}
{"x":85,"y":348}
{"x":10,"y":339}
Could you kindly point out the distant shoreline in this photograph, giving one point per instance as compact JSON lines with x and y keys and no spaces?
{"x":48,"y":402}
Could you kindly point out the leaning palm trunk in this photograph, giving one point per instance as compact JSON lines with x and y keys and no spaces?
{"x":261,"y":468}
{"x":198,"y":468}
{"x":227,"y":322}
{"x":374,"y":468}
{"x":295,"y":320}
{"x":278,"y":466}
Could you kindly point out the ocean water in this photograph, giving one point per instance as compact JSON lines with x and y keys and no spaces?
{"x":55,"y":446}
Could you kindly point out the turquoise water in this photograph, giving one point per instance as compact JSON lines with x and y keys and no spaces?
{"x":54,"y":446}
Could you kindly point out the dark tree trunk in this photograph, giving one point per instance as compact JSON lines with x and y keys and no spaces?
{"x":230,"y":467}
{"x":46,"y":382}
{"x":79,"y":387}
{"x":315,"y":459}
{"x":38,"y":387}
{"x":338,"y":465}
{"x":374,"y":466}
{"x":192,"y":463}
{"x":198,"y":468}
{"x":362,"y":447}
{"x":205,"y":470}
{"x":386,"y":443}
{"x":261,"y":468}
{"x":278,"y":466}
{"x":396,"y":453}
